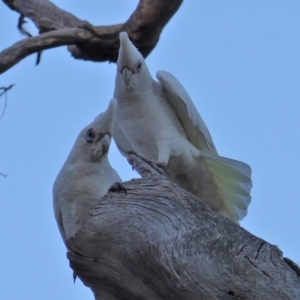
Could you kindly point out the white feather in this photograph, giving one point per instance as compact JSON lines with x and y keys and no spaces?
{"x":86,"y":175}
{"x":159,"y":121}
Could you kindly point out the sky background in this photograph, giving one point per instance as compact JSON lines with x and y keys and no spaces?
{"x":238,"y":60}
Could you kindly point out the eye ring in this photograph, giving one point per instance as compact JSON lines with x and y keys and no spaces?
{"x":139,"y":66}
{"x":90,"y":135}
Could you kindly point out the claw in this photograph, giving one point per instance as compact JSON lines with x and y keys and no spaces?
{"x":117,"y":187}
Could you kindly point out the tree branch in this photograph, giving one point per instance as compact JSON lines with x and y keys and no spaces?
{"x":12,"y":55}
{"x":144,"y":28}
{"x":160,"y":242}
{"x":4,"y":92}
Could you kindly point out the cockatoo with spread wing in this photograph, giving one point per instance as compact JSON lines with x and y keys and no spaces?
{"x":86,"y":176}
{"x":158,"y":121}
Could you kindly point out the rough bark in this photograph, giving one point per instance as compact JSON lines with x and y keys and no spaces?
{"x":97,"y":43}
{"x":160,"y":242}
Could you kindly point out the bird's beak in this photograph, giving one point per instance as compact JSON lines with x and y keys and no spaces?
{"x":105,"y":142}
{"x":109,"y":115}
{"x":127,"y":51}
{"x":128,"y":58}
{"x":105,"y":120}
{"x":126,"y":75}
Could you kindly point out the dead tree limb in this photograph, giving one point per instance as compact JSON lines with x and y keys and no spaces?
{"x":159,"y":242}
{"x":144,"y":28}
{"x":12,"y":55}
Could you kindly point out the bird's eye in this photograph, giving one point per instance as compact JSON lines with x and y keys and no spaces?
{"x":90,"y":135}
{"x":139,"y":67}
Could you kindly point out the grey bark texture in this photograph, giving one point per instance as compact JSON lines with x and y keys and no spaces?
{"x":160,"y":242}
{"x":97,"y":43}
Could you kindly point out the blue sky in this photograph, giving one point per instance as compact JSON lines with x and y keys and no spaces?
{"x":239,"y":61}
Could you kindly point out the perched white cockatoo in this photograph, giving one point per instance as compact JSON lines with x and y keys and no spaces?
{"x":86,"y":176}
{"x":158,"y":121}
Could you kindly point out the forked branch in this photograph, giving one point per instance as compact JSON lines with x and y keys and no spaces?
{"x":58,"y":27}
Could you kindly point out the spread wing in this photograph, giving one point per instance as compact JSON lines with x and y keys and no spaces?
{"x":186,"y":112}
{"x":233,"y":178}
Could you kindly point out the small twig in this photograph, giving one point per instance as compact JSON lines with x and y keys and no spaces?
{"x":5,"y":89}
{"x":21,"y":22}
{"x":38,"y":58}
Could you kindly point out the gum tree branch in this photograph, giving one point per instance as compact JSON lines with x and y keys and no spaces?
{"x":101,"y":43}
{"x":12,"y":55}
{"x":159,"y":242}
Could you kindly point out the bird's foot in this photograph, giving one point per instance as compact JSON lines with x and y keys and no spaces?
{"x":128,"y":154}
{"x":117,"y":187}
{"x":146,"y":168}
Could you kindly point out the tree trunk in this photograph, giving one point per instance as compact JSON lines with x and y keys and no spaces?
{"x":160,"y":242}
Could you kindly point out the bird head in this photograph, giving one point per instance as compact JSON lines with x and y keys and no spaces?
{"x":93,"y":141}
{"x":132,"y":71}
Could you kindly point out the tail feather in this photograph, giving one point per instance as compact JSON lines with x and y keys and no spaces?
{"x":233,"y":179}
{"x":230,"y":167}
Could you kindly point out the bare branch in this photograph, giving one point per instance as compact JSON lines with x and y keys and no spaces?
{"x":4,"y":92}
{"x":44,"y":14}
{"x":21,"y":22}
{"x":5,"y":89}
{"x":144,"y":28}
{"x":12,"y":55}
{"x":159,"y":242}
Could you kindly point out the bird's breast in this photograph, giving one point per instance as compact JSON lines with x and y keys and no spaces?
{"x":150,"y":126}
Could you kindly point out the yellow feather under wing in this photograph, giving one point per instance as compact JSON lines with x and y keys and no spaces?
{"x":233,"y":179}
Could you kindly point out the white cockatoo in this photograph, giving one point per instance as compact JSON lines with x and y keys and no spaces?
{"x":86,"y":176}
{"x":158,"y":121}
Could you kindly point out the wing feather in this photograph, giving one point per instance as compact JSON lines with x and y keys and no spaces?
{"x":233,"y":178}
{"x":186,"y":112}
{"x":121,"y":140}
